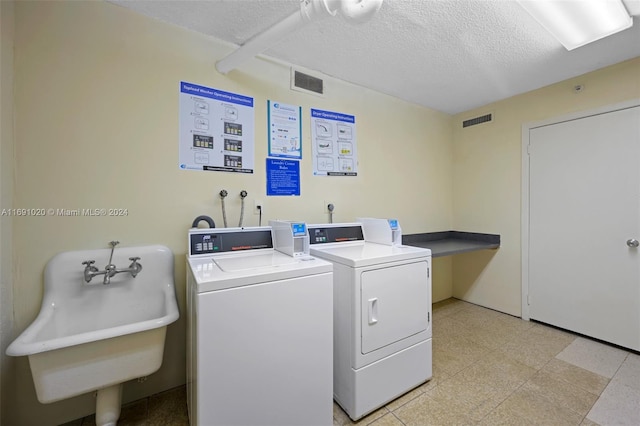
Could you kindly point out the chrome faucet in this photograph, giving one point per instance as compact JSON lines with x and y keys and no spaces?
{"x":90,"y":271}
{"x":110,"y":270}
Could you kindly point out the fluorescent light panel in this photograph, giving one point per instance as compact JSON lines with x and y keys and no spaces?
{"x":578,"y":22}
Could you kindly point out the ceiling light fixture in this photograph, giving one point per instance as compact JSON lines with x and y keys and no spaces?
{"x":578,"y":22}
{"x":355,"y":11}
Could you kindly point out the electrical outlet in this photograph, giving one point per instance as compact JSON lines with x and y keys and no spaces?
{"x":256,"y":204}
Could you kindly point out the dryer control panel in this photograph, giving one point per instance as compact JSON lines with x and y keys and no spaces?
{"x":382,"y":231}
{"x":335,"y":233}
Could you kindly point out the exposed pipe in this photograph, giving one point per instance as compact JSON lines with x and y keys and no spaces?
{"x":330,"y":207}
{"x":223,"y":195}
{"x":243,"y":195}
{"x":352,"y":10}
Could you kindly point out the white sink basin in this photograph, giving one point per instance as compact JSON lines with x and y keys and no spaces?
{"x":91,"y":336}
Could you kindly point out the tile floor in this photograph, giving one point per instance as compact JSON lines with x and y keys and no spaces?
{"x":488,"y":369}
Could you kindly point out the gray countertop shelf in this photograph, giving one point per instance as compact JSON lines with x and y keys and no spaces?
{"x":448,"y":243}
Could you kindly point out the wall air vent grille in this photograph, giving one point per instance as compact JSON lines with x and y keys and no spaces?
{"x":306,"y":83}
{"x":477,"y":120}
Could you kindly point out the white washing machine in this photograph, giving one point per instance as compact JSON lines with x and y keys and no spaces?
{"x":382,"y":312}
{"x":259,"y":333}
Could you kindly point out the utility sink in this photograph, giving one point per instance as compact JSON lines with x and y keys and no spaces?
{"x":94,"y":336}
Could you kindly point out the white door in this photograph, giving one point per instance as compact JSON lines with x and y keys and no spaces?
{"x":394,"y":304}
{"x":584,"y":221}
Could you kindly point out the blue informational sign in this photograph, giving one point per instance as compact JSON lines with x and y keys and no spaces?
{"x":216,"y":130}
{"x":330,"y":115}
{"x":284,"y":126}
{"x":218,"y":95}
{"x":333,"y":142}
{"x":283,"y":177}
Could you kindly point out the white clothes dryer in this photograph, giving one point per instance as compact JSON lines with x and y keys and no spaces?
{"x":382,"y":316}
{"x":259,"y":333}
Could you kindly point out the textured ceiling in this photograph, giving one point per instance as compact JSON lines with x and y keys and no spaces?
{"x":449,"y":55}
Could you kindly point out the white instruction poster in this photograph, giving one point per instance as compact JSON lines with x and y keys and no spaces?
{"x":216,"y":130}
{"x":333,"y":141}
{"x":285,"y":130}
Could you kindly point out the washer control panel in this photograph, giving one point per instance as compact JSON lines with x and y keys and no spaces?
{"x":211,"y":241}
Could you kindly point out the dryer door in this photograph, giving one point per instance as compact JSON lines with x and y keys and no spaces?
{"x":394,"y":304}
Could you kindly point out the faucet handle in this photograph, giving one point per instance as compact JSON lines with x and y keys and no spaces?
{"x":88,"y":263}
{"x":135,"y":267}
{"x":114,"y":243}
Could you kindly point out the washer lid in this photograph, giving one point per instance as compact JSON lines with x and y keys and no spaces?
{"x":239,"y":269}
{"x":244,"y":263}
{"x":366,"y":254}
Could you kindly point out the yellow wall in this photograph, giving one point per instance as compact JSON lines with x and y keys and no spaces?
{"x":96,"y":126}
{"x":6,"y":189}
{"x":487,"y":177}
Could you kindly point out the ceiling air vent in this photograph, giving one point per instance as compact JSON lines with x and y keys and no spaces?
{"x":306,"y":83}
{"x":477,"y":120}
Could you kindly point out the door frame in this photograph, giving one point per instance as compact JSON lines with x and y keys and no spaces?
{"x":524,"y":224}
